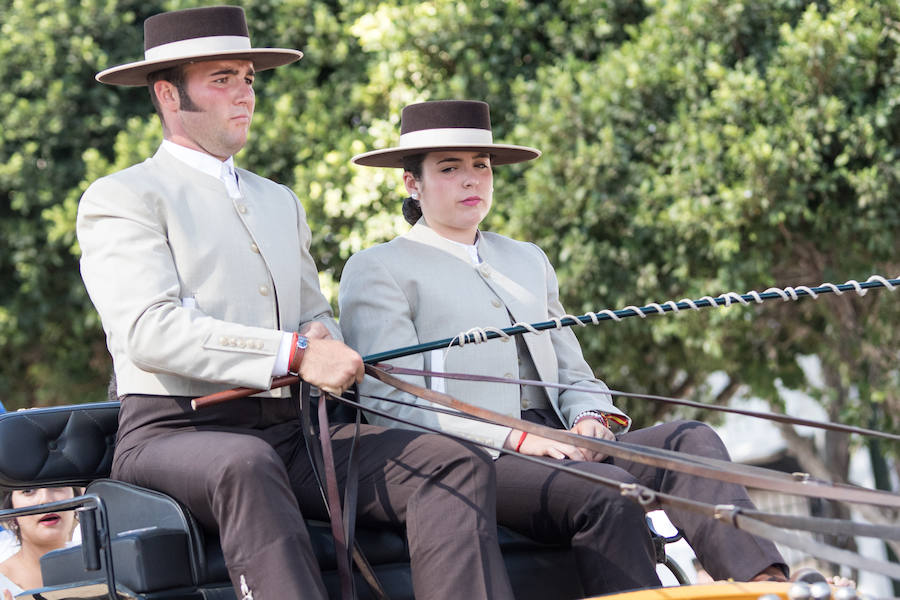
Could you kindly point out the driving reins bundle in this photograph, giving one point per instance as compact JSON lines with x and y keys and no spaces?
{"x":762,"y":524}
{"x":754,"y":522}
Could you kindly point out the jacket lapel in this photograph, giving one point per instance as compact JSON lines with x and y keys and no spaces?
{"x":526,"y":303}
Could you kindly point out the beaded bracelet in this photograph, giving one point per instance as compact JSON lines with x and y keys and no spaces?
{"x":591,"y":414}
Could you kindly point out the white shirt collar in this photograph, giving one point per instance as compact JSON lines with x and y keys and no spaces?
{"x":207,"y":164}
{"x":472,"y":249}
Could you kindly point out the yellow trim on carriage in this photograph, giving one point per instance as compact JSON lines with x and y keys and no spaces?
{"x":709,"y":591}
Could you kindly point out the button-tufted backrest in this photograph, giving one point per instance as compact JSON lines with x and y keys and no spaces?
{"x":63,"y":445}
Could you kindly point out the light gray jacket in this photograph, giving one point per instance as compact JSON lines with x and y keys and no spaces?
{"x":193,"y":286}
{"x":419,"y":287}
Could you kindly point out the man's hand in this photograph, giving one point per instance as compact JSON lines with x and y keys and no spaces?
{"x":596,"y":429}
{"x":315,"y":330}
{"x":331,"y":365}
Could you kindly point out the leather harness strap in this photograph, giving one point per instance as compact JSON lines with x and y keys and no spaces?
{"x":666,"y":459}
{"x":749,"y":519}
{"x":342,"y":529}
{"x":338,"y":530}
{"x":781,"y":418}
{"x":812,"y":547}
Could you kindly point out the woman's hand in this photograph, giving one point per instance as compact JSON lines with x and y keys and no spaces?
{"x":595,"y":429}
{"x":535,"y":445}
{"x":7,"y":595}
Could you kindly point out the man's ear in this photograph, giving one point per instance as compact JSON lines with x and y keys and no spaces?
{"x":167,"y":95}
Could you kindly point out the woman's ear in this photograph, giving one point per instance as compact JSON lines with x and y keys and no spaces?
{"x":411,"y":183}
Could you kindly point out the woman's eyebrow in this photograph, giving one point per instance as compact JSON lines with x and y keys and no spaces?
{"x":455,"y":159}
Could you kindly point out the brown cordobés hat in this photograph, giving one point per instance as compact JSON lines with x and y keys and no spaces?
{"x":442,"y":125}
{"x":195,"y":34}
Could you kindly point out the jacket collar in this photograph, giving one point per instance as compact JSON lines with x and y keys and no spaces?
{"x":424,"y":234}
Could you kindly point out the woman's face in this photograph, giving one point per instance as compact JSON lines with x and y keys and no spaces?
{"x":455,"y":192}
{"x":49,"y":529}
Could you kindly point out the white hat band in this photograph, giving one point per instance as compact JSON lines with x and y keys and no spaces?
{"x":450,"y":136}
{"x":198,"y":46}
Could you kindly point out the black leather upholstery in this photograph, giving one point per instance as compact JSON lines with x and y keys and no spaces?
{"x":67,"y":445}
{"x":159,"y":550}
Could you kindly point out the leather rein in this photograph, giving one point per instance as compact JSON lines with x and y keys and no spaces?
{"x":763,"y":524}
{"x":766,"y":525}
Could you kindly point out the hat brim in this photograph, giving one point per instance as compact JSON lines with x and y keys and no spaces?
{"x":501,"y":154}
{"x":135,"y":74}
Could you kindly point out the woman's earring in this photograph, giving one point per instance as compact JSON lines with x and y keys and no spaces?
{"x":414,"y":195}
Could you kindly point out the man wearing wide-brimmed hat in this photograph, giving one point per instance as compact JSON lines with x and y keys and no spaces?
{"x":202,"y":276}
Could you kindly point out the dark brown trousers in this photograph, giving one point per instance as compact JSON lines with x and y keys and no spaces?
{"x":242,"y":470}
{"x":608,"y":532}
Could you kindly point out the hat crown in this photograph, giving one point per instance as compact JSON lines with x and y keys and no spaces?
{"x":446,"y":125}
{"x":192,"y":23}
{"x":444,"y":114}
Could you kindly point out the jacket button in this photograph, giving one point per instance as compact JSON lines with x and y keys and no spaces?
{"x":495,"y":303}
{"x":485,"y":270}
{"x":254,"y":247}
{"x":524,"y":404}
{"x":242,"y":209}
{"x":263,"y":290}
{"x":508,"y":375}
{"x":506,"y":339}
{"x":223,"y":341}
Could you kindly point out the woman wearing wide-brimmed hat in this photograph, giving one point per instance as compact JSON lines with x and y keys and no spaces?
{"x":444,"y":276}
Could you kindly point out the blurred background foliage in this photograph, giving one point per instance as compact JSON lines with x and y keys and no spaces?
{"x":691,"y":147}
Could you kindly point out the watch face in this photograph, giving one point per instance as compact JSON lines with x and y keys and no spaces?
{"x":302,"y":341}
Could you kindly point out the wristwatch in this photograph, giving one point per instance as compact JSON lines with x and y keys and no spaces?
{"x":302,"y":342}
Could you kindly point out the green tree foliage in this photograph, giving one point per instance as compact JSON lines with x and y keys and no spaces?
{"x":691,"y":147}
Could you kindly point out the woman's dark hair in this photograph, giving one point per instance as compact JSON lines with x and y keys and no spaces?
{"x":6,"y":504}
{"x":412,"y":164}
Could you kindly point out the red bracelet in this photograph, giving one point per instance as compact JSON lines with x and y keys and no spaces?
{"x":521,"y":439}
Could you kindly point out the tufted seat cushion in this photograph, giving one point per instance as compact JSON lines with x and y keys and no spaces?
{"x":66,"y":445}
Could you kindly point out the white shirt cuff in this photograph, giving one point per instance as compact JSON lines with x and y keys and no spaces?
{"x":284,"y":355}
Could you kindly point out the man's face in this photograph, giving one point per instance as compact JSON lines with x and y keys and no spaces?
{"x":217,"y":118}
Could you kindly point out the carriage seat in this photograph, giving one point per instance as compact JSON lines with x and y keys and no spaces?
{"x":160,"y":551}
